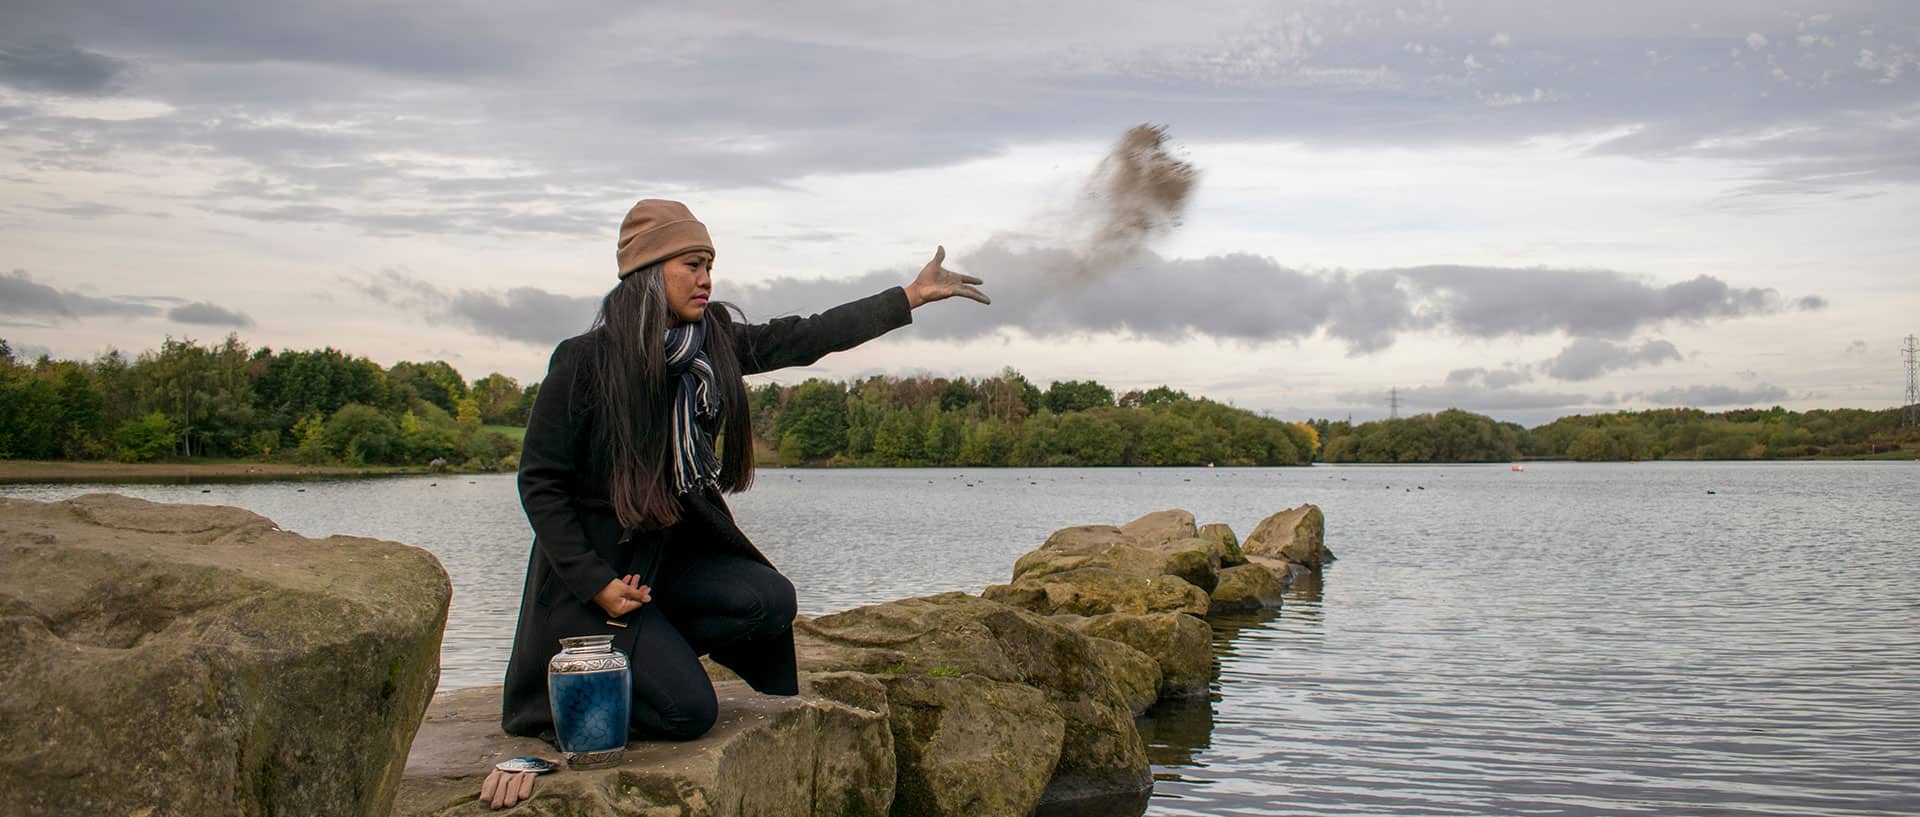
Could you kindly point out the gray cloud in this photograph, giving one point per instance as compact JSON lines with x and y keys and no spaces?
{"x":1588,"y":358}
{"x":524,"y":314}
{"x":207,"y":314}
{"x":1238,"y":297}
{"x":1233,"y":297}
{"x":1761,"y":394}
{"x":1249,"y":298}
{"x":23,"y":297}
{"x":1494,"y":301}
{"x":1490,"y":378}
{"x":329,"y":101}
{"x":29,"y":352}
{"x":57,"y":67}
{"x":86,"y":210}
{"x":1470,"y":390}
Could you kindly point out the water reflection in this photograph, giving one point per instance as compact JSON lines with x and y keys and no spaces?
{"x":1177,"y":731}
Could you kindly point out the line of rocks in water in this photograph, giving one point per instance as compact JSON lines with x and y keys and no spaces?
{"x":1022,"y":697}
{"x":181,"y":659}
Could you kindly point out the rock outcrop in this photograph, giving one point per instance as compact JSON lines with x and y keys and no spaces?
{"x":1163,"y":563}
{"x":1229,"y":544}
{"x":1249,"y":587}
{"x":966,"y":745}
{"x":802,"y":755}
{"x":1094,"y":591}
{"x":956,"y":635}
{"x":1160,"y":527}
{"x":1296,"y":535}
{"x":1181,"y":646}
{"x":1133,"y":672}
{"x":185,"y":659}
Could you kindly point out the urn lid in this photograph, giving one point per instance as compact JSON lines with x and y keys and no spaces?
{"x":587,"y":643}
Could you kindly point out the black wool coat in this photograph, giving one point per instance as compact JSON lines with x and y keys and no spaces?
{"x":579,"y":544}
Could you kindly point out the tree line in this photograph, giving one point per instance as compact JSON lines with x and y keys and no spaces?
{"x":1744,"y":434}
{"x":1006,"y":420}
{"x":226,"y":400}
{"x":320,"y":406}
{"x":1676,"y":434}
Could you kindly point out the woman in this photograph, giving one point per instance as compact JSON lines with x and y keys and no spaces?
{"x":621,"y":482}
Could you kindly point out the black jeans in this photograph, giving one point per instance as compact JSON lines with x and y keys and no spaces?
{"x":702,"y":601}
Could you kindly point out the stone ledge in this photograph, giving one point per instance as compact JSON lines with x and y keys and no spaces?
{"x":767,"y":755}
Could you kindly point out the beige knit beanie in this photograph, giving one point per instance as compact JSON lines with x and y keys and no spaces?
{"x":656,"y":230}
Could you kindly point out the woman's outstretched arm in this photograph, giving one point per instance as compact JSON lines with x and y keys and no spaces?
{"x":795,"y":341}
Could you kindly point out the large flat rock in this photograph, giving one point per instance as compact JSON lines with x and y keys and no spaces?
{"x":767,"y":756}
{"x":190,"y":659}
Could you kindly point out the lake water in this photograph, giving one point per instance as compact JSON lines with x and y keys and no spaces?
{"x":1661,"y":639}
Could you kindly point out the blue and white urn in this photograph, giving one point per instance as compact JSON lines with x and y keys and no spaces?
{"x":591,"y":691}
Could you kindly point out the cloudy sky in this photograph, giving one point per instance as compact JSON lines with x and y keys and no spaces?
{"x":1516,"y":207}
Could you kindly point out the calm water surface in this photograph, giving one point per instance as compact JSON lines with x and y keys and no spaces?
{"x":1662,"y":639}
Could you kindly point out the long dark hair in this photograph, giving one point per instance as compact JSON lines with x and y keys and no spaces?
{"x":632,"y":393}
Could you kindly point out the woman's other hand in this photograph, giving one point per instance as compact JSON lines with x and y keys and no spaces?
{"x":503,"y":788}
{"x":937,"y":283}
{"x":623,"y":595}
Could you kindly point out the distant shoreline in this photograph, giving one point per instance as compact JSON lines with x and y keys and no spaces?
{"x":27,"y":471}
{"x":18,"y":471}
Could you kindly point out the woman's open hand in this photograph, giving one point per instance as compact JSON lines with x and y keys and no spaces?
{"x":623,"y":595}
{"x":502,"y":788}
{"x":937,"y":283}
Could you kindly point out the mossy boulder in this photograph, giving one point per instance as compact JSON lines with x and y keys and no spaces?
{"x":1228,"y":544}
{"x":957,"y":635}
{"x":192,"y":659}
{"x":1249,"y":587}
{"x":1135,"y":673}
{"x":1295,"y":535}
{"x":1160,"y":527}
{"x":1093,"y":591}
{"x":968,"y":746}
{"x":1180,"y":645}
{"x":1067,"y":549}
{"x":1160,"y":543}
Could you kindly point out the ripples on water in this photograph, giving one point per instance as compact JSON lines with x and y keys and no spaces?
{"x":1571,"y":640}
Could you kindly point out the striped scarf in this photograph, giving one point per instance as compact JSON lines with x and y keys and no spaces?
{"x":696,"y":408}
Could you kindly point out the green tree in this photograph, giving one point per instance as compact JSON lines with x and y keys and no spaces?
{"x":987,"y":442}
{"x":817,"y":411}
{"x":900,"y":439}
{"x":467,"y":413}
{"x":792,"y":449}
{"x":496,"y":395}
{"x":1087,"y":439}
{"x":1065,"y":396}
{"x":299,"y":384}
{"x":944,"y":434}
{"x":143,"y":440}
{"x":435,"y":381}
{"x":359,"y":433}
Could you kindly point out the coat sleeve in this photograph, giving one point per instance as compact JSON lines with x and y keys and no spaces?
{"x":548,"y":474}
{"x":796,"y":341}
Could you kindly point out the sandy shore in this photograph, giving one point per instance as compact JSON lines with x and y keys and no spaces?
{"x":59,"y":471}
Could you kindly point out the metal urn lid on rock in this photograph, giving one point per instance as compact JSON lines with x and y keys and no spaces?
{"x":591,"y":690}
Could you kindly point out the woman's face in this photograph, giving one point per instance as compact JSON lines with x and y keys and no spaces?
{"x":689,"y":282}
